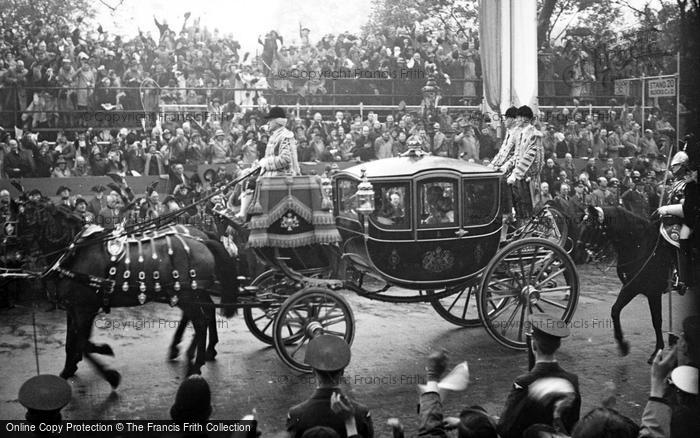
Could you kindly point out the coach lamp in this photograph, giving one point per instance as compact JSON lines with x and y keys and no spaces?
{"x":365,"y":198}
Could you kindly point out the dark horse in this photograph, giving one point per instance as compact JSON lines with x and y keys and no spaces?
{"x":644,"y":262}
{"x":165,"y":265}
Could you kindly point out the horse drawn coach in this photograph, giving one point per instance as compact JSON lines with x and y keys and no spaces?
{"x":414,"y":228}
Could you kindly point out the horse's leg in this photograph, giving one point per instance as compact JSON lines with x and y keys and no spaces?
{"x":625,"y":296}
{"x":84,"y":322}
{"x":103,"y":349}
{"x":655,"y":309}
{"x":177,"y":338}
{"x":199,"y":322}
{"x":213,"y":334}
{"x":73,"y":353}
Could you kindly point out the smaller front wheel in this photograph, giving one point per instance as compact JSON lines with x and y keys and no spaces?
{"x":307,"y":313}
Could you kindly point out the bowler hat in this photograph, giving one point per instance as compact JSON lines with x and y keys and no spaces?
{"x":327,"y":353}
{"x":276,"y":113}
{"x":34,"y":192}
{"x":45,"y":392}
{"x":98,"y":188}
{"x":62,"y":188}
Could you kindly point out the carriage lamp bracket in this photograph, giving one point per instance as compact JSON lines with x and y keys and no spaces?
{"x":365,"y":197}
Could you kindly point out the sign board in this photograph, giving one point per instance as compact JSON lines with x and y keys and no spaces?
{"x":662,"y":87}
{"x":622,"y":87}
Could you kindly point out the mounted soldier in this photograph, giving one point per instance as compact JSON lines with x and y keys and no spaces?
{"x":684,"y":209}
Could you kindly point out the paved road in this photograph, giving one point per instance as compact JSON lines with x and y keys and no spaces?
{"x":391,"y":342}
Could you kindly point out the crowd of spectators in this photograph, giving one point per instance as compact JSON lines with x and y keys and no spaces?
{"x":51,"y":69}
{"x":619,"y":155}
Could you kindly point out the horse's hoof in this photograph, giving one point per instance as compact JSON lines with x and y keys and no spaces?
{"x":623,"y":347}
{"x":194,"y":369}
{"x":104,"y":349}
{"x":174,"y":353}
{"x":67,"y":373}
{"x":113,"y":378}
{"x":210,"y":355}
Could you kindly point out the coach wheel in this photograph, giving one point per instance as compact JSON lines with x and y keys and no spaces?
{"x":305,"y":314}
{"x":462,"y":308}
{"x":530,"y":275}
{"x":259,"y":320}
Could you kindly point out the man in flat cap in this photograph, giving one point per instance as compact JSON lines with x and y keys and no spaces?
{"x":44,"y":396}
{"x":547,"y":393}
{"x":328,"y":356}
{"x":98,"y":202}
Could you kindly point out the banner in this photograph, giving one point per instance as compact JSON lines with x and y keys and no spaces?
{"x":490,"y":50}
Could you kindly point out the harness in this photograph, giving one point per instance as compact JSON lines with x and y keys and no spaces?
{"x":120,"y":249}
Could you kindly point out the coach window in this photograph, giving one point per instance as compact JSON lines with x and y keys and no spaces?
{"x":437,"y":203}
{"x":391,"y":206}
{"x":480,"y":201}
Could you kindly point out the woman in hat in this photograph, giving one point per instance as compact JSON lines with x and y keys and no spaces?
{"x":219,"y":150}
{"x":61,"y":170}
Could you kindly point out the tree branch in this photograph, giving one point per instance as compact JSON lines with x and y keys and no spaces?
{"x":112,"y":8}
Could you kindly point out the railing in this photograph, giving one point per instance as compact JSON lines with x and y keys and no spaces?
{"x":77,"y":108}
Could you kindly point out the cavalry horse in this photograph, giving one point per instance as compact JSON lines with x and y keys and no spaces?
{"x":176,"y":265}
{"x":644,"y":262}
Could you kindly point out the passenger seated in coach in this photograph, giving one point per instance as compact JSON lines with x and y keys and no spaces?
{"x":392,"y":213}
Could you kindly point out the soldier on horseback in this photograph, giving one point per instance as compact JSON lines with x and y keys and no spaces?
{"x":684,"y":209}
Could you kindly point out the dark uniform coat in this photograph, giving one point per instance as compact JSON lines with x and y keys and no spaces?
{"x":522,"y":412}
{"x":316,"y":411}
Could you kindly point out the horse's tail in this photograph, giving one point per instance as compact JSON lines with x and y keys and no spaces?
{"x":226,"y":273}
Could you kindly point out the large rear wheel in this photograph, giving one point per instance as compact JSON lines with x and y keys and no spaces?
{"x":527,"y":276}
{"x":307,"y":313}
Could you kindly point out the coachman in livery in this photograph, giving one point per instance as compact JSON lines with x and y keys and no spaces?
{"x":287,"y":209}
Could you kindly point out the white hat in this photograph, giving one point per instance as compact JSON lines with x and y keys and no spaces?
{"x":685,"y":378}
{"x":83,"y":55}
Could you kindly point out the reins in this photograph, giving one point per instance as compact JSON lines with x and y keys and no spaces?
{"x":151,"y":224}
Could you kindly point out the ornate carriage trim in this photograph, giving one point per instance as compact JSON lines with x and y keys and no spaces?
{"x":290,"y":221}
{"x":438,"y":260}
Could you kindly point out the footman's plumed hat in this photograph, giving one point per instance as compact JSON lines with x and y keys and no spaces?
{"x":327,"y":353}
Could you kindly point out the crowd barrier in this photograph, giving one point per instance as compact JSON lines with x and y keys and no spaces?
{"x":82,"y":185}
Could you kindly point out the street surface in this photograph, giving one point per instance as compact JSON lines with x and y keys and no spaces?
{"x":391,"y":343}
